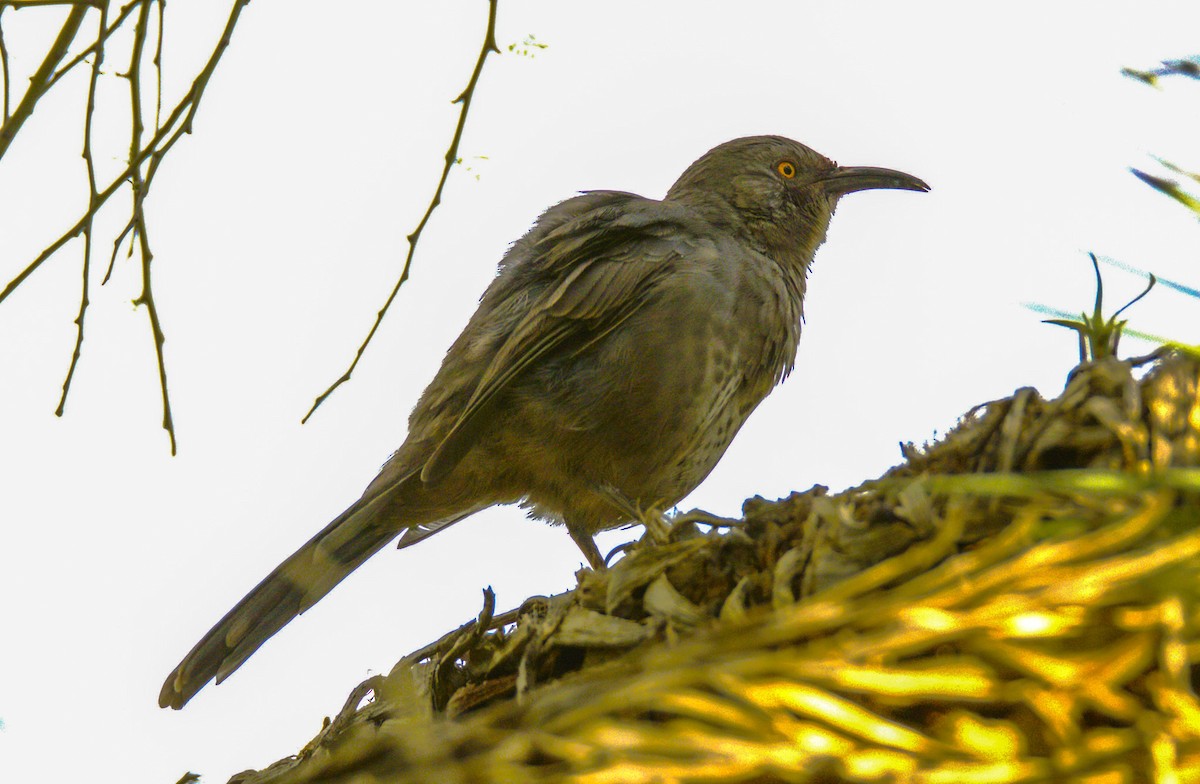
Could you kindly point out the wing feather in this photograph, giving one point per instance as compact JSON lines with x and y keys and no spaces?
{"x":596,"y":271}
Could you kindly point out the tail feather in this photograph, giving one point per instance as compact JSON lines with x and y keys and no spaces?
{"x":294,"y":586}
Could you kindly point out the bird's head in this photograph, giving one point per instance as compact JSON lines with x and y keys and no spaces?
{"x":776,"y":193}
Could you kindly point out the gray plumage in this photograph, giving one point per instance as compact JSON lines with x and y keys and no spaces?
{"x":622,"y":344}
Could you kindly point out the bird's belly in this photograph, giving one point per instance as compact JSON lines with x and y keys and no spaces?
{"x":647,"y":414}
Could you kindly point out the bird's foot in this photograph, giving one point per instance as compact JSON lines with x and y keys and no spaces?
{"x":587,"y":545}
{"x":682,"y":520}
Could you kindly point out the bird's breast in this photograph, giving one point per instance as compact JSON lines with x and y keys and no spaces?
{"x":650,"y":409}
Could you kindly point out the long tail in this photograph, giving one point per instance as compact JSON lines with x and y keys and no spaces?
{"x":296,"y":584}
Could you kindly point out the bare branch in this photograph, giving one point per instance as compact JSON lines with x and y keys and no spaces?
{"x":39,"y":81}
{"x":162,"y":7}
{"x":101,"y":39}
{"x":178,"y":123}
{"x":141,"y":188}
{"x":144,"y":158}
{"x":136,"y":126}
{"x":46,"y":3}
{"x":147,"y":298}
{"x":92,"y":196}
{"x":112,"y":261}
{"x":489,"y":45}
{"x":3,"y":69}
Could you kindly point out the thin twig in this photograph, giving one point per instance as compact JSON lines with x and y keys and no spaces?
{"x":466,"y":642}
{"x":489,"y":45}
{"x":101,"y":39}
{"x":112,"y":260}
{"x":162,"y":7}
{"x":134,"y":75}
{"x":168,"y":132}
{"x":151,"y":154}
{"x":178,"y":123}
{"x":44,"y":3}
{"x":90,"y":163}
{"x":141,"y":188}
{"x":147,"y":298}
{"x":136,"y":125}
{"x":496,"y":622}
{"x":38,"y":82}
{"x":3,"y":68}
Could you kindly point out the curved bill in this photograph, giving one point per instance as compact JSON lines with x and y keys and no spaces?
{"x":848,"y":179}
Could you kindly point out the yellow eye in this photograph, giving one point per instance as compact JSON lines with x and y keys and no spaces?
{"x":786,"y":169}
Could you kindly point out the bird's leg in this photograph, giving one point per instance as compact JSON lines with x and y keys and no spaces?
{"x":651,"y":519}
{"x":587,"y":546}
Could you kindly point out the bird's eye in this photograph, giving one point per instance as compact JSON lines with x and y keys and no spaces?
{"x":786,"y":169}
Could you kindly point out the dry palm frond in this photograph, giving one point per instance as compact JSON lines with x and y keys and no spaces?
{"x":1019,"y":602}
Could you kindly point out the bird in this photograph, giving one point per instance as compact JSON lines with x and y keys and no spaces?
{"x":618,"y":350}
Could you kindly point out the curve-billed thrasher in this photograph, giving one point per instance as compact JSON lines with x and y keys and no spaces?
{"x":619,"y":349}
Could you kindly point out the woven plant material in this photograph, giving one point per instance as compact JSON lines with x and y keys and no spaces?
{"x":1018,"y":602}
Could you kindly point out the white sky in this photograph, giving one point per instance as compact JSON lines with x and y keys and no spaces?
{"x":279,"y":227}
